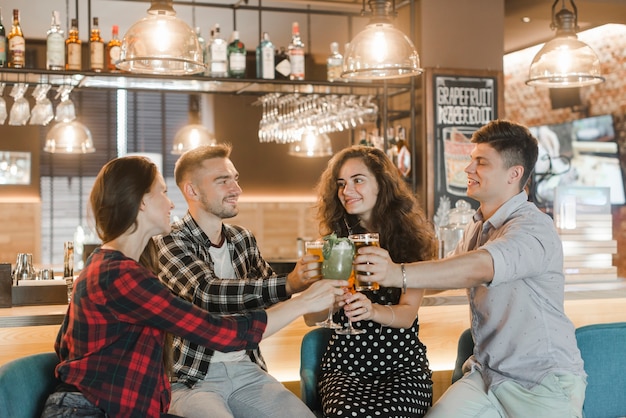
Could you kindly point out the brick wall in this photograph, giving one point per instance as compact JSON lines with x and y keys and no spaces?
{"x":531,"y":106}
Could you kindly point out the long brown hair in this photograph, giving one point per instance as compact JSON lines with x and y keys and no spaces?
{"x":115,"y":200}
{"x":403,"y":227}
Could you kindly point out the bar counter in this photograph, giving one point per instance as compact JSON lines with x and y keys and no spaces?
{"x":443,"y":317}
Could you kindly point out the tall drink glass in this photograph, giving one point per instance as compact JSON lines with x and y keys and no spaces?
{"x":315,"y":248}
{"x":364,"y":240}
{"x":338,"y":255}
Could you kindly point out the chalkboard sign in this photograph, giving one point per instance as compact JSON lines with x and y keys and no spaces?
{"x":461,"y":105}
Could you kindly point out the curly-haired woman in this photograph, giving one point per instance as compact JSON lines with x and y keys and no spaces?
{"x":383,"y":372}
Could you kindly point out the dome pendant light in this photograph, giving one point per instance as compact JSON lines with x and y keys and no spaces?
{"x":380,"y":51}
{"x":311,"y":145}
{"x":194,"y":134}
{"x":565,"y":61}
{"x":161,"y":44}
{"x":69,"y":137}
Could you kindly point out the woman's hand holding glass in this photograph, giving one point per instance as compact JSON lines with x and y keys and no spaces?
{"x":358,"y":307}
{"x":349,"y":296}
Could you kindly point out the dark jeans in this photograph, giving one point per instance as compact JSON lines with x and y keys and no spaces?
{"x":70,"y":405}
{"x":74,"y":405}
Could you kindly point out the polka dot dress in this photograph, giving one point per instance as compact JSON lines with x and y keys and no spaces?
{"x":381,"y":373}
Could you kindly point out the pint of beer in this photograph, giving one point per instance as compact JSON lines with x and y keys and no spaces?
{"x":315,"y":248}
{"x":362,"y":240}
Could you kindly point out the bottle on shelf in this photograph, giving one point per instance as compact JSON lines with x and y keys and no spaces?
{"x":68,"y":267}
{"x":217,"y":55}
{"x":17,"y":43}
{"x":96,"y":48}
{"x":345,"y":49}
{"x":283,"y":66}
{"x":113,"y":50}
{"x":207,"y":70}
{"x":265,"y":58}
{"x":296,"y":53}
{"x":55,"y":44}
{"x":73,"y":48}
{"x":3,"y":43}
{"x":202,"y":43}
{"x":333,"y":63}
{"x":236,"y":57}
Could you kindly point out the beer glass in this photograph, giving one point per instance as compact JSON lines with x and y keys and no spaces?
{"x":363,"y":240}
{"x":337,"y":256}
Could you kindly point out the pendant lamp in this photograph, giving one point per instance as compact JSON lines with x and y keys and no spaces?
{"x":70,"y":137}
{"x":311,"y":145}
{"x":380,"y":51}
{"x":193,"y":134}
{"x":565,"y":61}
{"x":161,"y":44}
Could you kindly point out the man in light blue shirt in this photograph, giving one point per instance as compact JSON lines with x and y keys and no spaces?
{"x":526,"y":362}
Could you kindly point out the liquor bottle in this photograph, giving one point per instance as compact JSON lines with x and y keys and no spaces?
{"x":3,"y":43}
{"x":207,"y":70}
{"x":202,"y":43}
{"x":333,"y":63}
{"x":68,"y":267}
{"x":17,"y":43}
{"x":283,"y":66}
{"x":345,"y":49}
{"x":217,"y":55}
{"x":236,"y":57}
{"x":55,"y":44}
{"x":265,"y":58}
{"x":96,"y":48}
{"x":296,"y":53}
{"x":113,"y":50}
{"x":73,"y":48}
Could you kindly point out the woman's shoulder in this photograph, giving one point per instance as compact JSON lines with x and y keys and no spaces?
{"x":110,"y":264}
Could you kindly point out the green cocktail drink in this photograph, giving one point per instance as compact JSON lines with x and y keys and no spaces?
{"x":338,"y":257}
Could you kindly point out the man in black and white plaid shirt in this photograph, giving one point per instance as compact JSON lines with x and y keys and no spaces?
{"x":219,"y":267}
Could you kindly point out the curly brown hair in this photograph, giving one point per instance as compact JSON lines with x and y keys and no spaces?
{"x":397,"y":216}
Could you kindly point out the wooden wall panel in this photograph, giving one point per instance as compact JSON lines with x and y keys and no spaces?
{"x":278,"y":225}
{"x":20,"y":230}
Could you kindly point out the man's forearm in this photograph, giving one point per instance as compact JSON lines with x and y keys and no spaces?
{"x":458,"y":272}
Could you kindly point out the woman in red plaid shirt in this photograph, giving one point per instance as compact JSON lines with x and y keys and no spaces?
{"x":112,"y":343}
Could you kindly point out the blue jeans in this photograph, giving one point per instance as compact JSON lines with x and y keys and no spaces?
{"x":238,"y":389}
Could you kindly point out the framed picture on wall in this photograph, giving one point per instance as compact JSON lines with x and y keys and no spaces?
{"x":459,"y":102}
{"x":15,"y":168}
{"x":19,"y":161}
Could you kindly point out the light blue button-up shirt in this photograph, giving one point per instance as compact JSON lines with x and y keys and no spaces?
{"x":518,"y":321}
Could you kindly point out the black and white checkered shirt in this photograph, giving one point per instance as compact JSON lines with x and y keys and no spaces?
{"x":187,"y":269}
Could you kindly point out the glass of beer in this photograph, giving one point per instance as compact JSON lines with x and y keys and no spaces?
{"x":363,"y":240}
{"x":315,"y":248}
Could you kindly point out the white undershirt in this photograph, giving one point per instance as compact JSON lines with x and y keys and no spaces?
{"x":223,"y":268}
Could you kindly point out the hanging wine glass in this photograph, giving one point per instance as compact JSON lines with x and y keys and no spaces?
{"x":3,"y":105}
{"x":20,"y":111}
{"x":42,"y":112}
